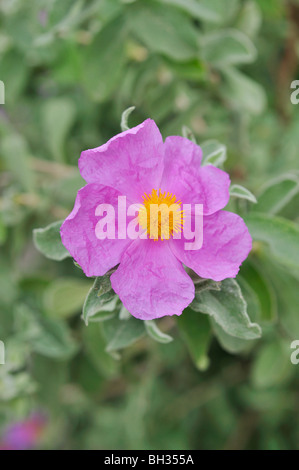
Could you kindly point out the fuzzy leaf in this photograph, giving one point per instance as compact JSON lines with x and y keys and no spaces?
{"x":242,"y":92}
{"x":196,"y":331}
{"x":16,"y":155}
{"x":193,"y":7}
{"x":155,"y":333}
{"x":188,"y":134}
{"x":228,"y":308}
{"x":58,"y":117}
{"x":64,"y":297}
{"x":48,"y":241}
{"x":272,"y":365}
{"x":230,"y":343}
{"x":281,"y":235}
{"x":164,"y":30}
{"x":239,"y":191}
{"x":214,"y":153}
{"x":262,"y":288}
{"x":101,"y":301}
{"x":124,"y":118}
{"x":55,"y":340}
{"x":101,"y":76}
{"x":277,"y":194}
{"x":119,"y":334}
{"x":227,"y":47}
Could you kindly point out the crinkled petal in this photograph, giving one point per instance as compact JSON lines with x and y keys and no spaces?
{"x":191,"y":183}
{"x":131,"y":162}
{"x":78,"y":232}
{"x":226,"y":244}
{"x":151,"y":282}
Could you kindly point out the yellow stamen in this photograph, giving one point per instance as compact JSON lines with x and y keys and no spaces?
{"x":161,"y":215}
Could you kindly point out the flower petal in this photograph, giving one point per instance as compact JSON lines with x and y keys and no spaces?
{"x":78,"y":232}
{"x":226,"y":244}
{"x":191,"y":183}
{"x":131,"y":162}
{"x":151,"y":282}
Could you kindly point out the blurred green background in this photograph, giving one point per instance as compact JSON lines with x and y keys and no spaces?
{"x":223,"y":68}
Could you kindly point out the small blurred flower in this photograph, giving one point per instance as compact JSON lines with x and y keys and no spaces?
{"x":24,"y":435}
{"x":43,"y":17}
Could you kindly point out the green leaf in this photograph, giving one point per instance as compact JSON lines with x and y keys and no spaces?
{"x":228,"y":308}
{"x":154,"y":332}
{"x":227,"y":47}
{"x":188,"y":134}
{"x":230,"y":343}
{"x":286,"y":288}
{"x":58,"y":116}
{"x":214,"y":153}
{"x":164,"y":30}
{"x":260,"y":284}
{"x":272,"y":365}
{"x":16,"y":156}
{"x":14,"y":386}
{"x":55,"y":340}
{"x":107,"y":312}
{"x":3,"y":231}
{"x":251,"y":299}
{"x":277,"y":194}
{"x":94,"y":345}
{"x":8,"y":286}
{"x":124,"y":314}
{"x":289,"y":301}
{"x":119,"y":334}
{"x":196,"y":331}
{"x":65,"y":297}
{"x":103,"y":61}
{"x":26,"y":323}
{"x":281,"y":236}
{"x":124,"y":118}
{"x":212,"y":11}
{"x":196,"y":9}
{"x":224,"y":9}
{"x":65,"y":189}
{"x":242,"y":92}
{"x":239,"y":191}
{"x":48,"y":241}
{"x":193,"y":69}
{"x":250,"y":18}
{"x":14,"y":74}
{"x":100,"y":303}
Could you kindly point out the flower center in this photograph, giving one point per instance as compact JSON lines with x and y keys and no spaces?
{"x":161,"y":215}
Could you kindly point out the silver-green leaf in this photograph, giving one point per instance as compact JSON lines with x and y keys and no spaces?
{"x":155,"y":333}
{"x":228,"y":308}
{"x":214,"y":153}
{"x":48,"y":241}
{"x":240,"y":192}
{"x":281,"y":235}
{"x":120,"y":334}
{"x":196,"y":331}
{"x":100,"y":302}
{"x":124,"y":118}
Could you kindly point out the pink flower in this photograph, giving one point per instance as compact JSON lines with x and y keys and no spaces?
{"x":23,"y":435}
{"x":151,"y":280}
